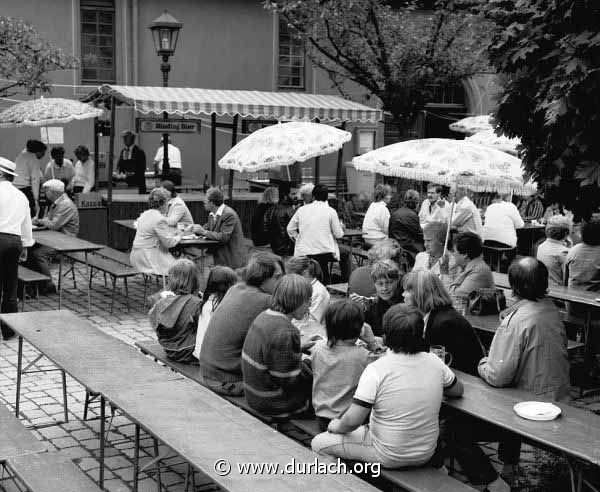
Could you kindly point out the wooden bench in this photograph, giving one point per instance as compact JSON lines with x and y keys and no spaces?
{"x":191,"y":371}
{"x":425,"y":479}
{"x":100,"y":263}
{"x":49,"y":472}
{"x":417,"y":480}
{"x":116,"y":255}
{"x":26,"y":277}
{"x":15,"y":439}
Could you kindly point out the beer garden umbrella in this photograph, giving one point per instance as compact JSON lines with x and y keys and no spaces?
{"x":472,"y":124}
{"x":498,"y":142}
{"x":46,"y":111}
{"x":283,"y":145}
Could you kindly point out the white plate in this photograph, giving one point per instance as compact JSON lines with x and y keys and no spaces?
{"x":189,"y":236}
{"x":537,"y":410}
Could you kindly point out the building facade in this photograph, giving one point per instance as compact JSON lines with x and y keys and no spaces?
{"x":233,"y":44}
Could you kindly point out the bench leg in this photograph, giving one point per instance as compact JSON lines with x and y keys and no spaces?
{"x":145,"y":287}
{"x":158,"y":472}
{"x":65,"y":404}
{"x":112,"y":295}
{"x":105,"y":279}
{"x":19,"y":372}
{"x":23,"y":298}
{"x":102,"y":444}
{"x":126,"y":293}
{"x":73,"y":274}
{"x":136,"y":458}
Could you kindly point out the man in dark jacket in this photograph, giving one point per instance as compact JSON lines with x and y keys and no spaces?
{"x":224,"y":226}
{"x":132,"y":162}
{"x":405,"y":227}
{"x":276,"y":221}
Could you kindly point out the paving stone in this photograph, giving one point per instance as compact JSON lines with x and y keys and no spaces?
{"x":53,"y":432}
{"x":65,"y":442}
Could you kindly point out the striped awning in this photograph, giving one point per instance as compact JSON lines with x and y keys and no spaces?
{"x":256,"y":104}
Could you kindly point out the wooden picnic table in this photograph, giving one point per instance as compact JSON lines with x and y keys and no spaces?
{"x":575,"y":434}
{"x":199,"y":242}
{"x":99,"y":362}
{"x":15,"y":439}
{"x":196,"y":423}
{"x":187,"y":418}
{"x":63,"y":243}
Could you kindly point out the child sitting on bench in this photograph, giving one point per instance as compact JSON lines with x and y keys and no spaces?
{"x":337,"y":362}
{"x":219,"y":280}
{"x":174,"y":316}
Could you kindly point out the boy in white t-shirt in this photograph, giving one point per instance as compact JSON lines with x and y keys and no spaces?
{"x":403,"y":391}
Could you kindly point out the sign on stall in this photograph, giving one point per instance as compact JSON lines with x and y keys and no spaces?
{"x":168,"y":126}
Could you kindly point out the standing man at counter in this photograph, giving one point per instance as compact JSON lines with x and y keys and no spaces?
{"x":15,"y":234}
{"x":132,"y":162}
{"x":29,"y":173}
{"x":173,"y":174}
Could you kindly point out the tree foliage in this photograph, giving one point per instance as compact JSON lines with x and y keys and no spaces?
{"x":550,"y":52}
{"x":26,"y":58}
{"x":396,"y":50}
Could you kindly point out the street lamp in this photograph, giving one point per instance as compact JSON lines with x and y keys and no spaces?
{"x":165,"y":32}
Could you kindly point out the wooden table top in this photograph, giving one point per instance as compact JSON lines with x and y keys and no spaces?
{"x":63,"y":243}
{"x":15,"y":438}
{"x":557,"y":292}
{"x":98,"y":361}
{"x":128,"y":223}
{"x":203,"y":427}
{"x":576,"y":432}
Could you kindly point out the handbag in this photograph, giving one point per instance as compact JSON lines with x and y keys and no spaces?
{"x":486,"y":301}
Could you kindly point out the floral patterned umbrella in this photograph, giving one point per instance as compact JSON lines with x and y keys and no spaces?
{"x":498,"y":142}
{"x":472,"y":124}
{"x":46,"y":111}
{"x":447,"y":162}
{"x":283,"y":145}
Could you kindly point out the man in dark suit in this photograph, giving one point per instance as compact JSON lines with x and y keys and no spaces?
{"x":224,"y":226}
{"x":132,"y":162}
{"x":405,"y":227}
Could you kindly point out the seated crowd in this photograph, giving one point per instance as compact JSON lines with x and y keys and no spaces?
{"x":364,"y":366}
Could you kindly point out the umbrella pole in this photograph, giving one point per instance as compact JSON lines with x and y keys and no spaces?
{"x":448,"y":229}
{"x":213,"y":151}
{"x":111,"y":155}
{"x":338,"y":169}
{"x":233,"y":142}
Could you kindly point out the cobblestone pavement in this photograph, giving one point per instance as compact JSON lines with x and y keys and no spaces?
{"x":41,"y":402}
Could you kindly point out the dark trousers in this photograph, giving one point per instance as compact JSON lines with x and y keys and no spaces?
{"x":10,"y":251}
{"x":173,"y":175}
{"x":138,"y":179}
{"x":462,"y":435}
{"x":29,"y":194}
{"x":323,"y":260}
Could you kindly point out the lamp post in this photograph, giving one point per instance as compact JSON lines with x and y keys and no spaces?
{"x":165,"y":32}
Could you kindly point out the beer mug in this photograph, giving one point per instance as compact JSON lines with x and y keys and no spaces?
{"x":440,"y":351}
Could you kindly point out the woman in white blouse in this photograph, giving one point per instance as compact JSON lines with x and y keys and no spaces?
{"x":377,"y":218}
{"x":84,"y":179}
{"x":150,"y":252}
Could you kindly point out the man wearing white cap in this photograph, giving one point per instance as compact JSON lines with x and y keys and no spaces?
{"x":15,"y":235}
{"x":62,"y":216}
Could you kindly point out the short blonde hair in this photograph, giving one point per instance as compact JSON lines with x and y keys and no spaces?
{"x":438,"y":230}
{"x":269,"y":195}
{"x":381,"y":191}
{"x":290,"y":293}
{"x":428,"y":292}
{"x":158,"y":197}
{"x":385,"y":269}
{"x":306,"y":189}
{"x":184,"y":277}
{"x":387,"y":249}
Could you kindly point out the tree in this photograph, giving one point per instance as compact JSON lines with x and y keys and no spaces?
{"x":550,"y":53}
{"x":26,"y":58}
{"x":399,"y":52}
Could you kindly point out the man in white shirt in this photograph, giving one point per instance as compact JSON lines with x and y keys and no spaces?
{"x":466,"y":217}
{"x":15,"y":234}
{"x":174,"y":172}
{"x":502,"y":219}
{"x":314,"y":228}
{"x":435,"y":208}
{"x":29,"y":173}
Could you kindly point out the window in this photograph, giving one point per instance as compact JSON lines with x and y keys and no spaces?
{"x":97,"y":41}
{"x":291,"y":59}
